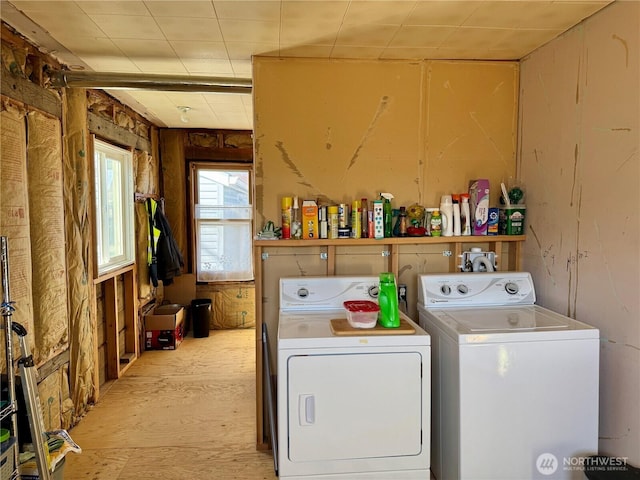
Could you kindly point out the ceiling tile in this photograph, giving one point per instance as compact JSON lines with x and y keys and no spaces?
{"x":500,"y":14}
{"x":249,"y":31}
{"x":193,"y":49}
{"x":242,"y":68}
{"x":378,"y":12}
{"x":341,"y":51}
{"x":216,"y":67}
{"x":444,"y":13}
{"x":114,"y":7}
{"x":319,"y":11}
{"x":160,"y":66}
{"x":89,"y":45}
{"x":219,"y":37}
{"x":421,"y":36}
{"x":134,"y":48}
{"x":399,"y":53}
{"x":244,"y":51}
{"x":194,"y":29}
{"x":366,"y":35}
{"x":310,"y":51}
{"x":125,"y":26}
{"x":102,"y":63}
{"x":248,"y":10}
{"x":318,"y":33}
{"x":181,"y":8}
{"x":70,"y":24}
{"x":57,"y":9}
{"x":563,"y":15}
{"x":526,"y":40}
{"x":471,"y":39}
{"x":223,"y":100}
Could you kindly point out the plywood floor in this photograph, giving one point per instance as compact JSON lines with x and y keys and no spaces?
{"x":177,"y":415}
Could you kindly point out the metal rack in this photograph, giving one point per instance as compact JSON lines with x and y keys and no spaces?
{"x":9,"y":464}
{"x":9,"y":468}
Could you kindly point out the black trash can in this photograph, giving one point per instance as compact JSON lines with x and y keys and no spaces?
{"x":201,"y":317}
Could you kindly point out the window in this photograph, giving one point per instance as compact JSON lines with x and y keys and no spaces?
{"x":222,"y":222}
{"x":113,"y":170}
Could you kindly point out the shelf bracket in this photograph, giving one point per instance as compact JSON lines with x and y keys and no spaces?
{"x":324,"y":256}
{"x":265,"y":255}
{"x":446,"y":253}
{"x":386,"y":253}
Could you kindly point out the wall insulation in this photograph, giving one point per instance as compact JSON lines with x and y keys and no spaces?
{"x":77,"y":190}
{"x":46,"y":216}
{"x":14,"y":219}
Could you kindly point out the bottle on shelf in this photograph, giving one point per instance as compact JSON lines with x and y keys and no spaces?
{"x":446,"y":210}
{"x":388,"y":301}
{"x":465,"y":215}
{"x":456,"y":215}
{"x":388,"y":215}
{"x":402,"y":223}
{"x":436,"y":224}
{"x":296,"y":225}
{"x":365,"y":219}
{"x":286,"y":217}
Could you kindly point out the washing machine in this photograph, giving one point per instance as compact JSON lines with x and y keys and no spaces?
{"x":354,"y":405}
{"x":515,"y":385}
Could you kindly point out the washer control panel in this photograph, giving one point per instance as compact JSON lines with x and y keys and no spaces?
{"x":476,"y":289}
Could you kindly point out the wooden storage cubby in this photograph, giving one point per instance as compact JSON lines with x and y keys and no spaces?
{"x":326,"y":257}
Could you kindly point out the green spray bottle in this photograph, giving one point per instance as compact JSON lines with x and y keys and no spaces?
{"x":387,"y":214}
{"x":388,"y":301}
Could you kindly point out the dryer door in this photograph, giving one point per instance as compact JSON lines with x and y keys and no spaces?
{"x":354,"y":406}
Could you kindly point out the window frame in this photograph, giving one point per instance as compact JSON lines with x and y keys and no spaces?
{"x":128,"y":237}
{"x":194,"y":167}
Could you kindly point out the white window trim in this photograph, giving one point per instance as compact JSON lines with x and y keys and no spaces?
{"x":127,"y":182}
{"x":196,"y":220}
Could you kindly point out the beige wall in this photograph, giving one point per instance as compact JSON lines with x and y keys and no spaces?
{"x":579,"y":157}
{"x":341,"y":130}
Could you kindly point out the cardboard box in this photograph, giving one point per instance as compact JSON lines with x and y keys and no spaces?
{"x":512,"y":220}
{"x":494,"y":219}
{"x":479,"y":200}
{"x":310,"y":220}
{"x":233,"y":305}
{"x":164,"y":328}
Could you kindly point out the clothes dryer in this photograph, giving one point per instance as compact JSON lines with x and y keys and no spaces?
{"x":349,"y":406}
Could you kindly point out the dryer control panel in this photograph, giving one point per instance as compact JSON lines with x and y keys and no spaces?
{"x":476,"y":289}
{"x":325,"y":293}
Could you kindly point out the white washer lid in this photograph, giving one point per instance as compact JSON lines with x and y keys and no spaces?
{"x":502,"y":324}
{"x":508,"y":319}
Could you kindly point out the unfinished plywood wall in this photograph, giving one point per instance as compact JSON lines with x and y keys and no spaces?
{"x":580,"y":161}
{"x":343,"y":130}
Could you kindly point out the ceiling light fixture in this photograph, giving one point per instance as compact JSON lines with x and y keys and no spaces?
{"x":183,"y":113}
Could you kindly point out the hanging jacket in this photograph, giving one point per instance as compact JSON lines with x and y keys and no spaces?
{"x":165,"y":259}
